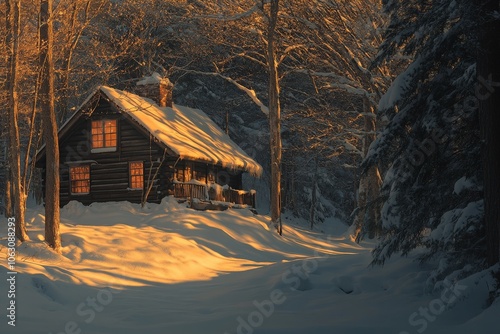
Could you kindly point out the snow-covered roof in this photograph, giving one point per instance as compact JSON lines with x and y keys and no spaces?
{"x":188,"y":132}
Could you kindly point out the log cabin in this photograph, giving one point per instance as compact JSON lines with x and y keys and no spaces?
{"x":140,"y":147}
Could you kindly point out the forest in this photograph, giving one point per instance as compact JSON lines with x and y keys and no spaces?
{"x":382,"y":114}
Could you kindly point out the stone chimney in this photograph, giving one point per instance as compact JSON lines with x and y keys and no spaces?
{"x":155,"y":88}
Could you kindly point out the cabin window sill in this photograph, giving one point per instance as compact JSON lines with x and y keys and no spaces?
{"x":103,"y":149}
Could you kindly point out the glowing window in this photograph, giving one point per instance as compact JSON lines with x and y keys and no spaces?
{"x":79,"y":177}
{"x":104,"y":134}
{"x":136,"y":175}
{"x":187,"y":172}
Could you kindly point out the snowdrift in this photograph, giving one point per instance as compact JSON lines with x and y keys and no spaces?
{"x":170,"y":269}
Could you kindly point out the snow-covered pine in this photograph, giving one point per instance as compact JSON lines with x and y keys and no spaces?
{"x":431,"y":140}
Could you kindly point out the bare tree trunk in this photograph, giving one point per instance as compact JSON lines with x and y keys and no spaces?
{"x":274,"y":119}
{"x":312,"y":213}
{"x":13,"y":9}
{"x":292,"y":190}
{"x":489,"y":68}
{"x":8,"y":194}
{"x":367,"y":219}
{"x":52,"y":235}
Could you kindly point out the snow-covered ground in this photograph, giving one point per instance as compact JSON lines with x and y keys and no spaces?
{"x":170,"y":269}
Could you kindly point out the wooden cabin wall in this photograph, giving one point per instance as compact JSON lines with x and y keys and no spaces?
{"x":109,"y":171}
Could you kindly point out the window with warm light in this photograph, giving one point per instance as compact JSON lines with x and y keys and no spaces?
{"x":79,"y":177}
{"x":104,"y":135}
{"x":136,"y":175}
{"x":183,"y":173}
{"x":179,"y":174}
{"x":187,"y":173}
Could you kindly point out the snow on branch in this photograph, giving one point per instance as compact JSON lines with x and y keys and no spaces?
{"x":290,"y":49}
{"x":350,"y":89}
{"x":341,"y":82}
{"x":250,"y":92}
{"x":338,"y":78}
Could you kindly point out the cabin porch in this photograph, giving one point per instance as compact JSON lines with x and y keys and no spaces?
{"x":213,"y":193}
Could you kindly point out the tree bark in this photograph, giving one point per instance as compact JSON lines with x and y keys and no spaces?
{"x":274,"y":118}
{"x":8,"y":194}
{"x":488,"y":71}
{"x":367,"y":219}
{"x":312,"y":212}
{"x":52,"y":234}
{"x":13,"y":9}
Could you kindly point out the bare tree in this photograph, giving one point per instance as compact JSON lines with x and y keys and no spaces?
{"x":232,"y":39}
{"x":367,"y":218}
{"x":73,"y":23}
{"x":349,"y":45}
{"x":52,"y":236}
{"x":13,"y":14}
{"x":274,"y":116}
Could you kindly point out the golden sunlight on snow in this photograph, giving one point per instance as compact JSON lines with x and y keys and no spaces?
{"x":120,"y":244}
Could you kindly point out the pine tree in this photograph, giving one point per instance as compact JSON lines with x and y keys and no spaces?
{"x":430,"y":148}
{"x":489,"y":70}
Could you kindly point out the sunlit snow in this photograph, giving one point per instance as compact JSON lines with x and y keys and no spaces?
{"x":166,"y":268}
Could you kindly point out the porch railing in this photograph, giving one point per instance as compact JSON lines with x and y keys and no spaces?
{"x":214,"y":193}
{"x":190,"y":190}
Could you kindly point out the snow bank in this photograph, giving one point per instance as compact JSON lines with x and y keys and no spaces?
{"x":169,"y":269}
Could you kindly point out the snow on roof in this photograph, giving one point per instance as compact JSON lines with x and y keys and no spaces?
{"x":190,"y":133}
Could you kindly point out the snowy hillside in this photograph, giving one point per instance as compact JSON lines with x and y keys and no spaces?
{"x":170,"y":269}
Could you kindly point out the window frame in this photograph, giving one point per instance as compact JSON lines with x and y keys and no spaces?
{"x":102,"y":132}
{"x":72,"y":180}
{"x":131,"y":176}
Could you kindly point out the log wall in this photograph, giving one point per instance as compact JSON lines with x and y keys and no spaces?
{"x":109,"y":171}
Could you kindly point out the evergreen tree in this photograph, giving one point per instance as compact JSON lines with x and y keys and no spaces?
{"x":489,"y":70}
{"x":430,"y":149}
